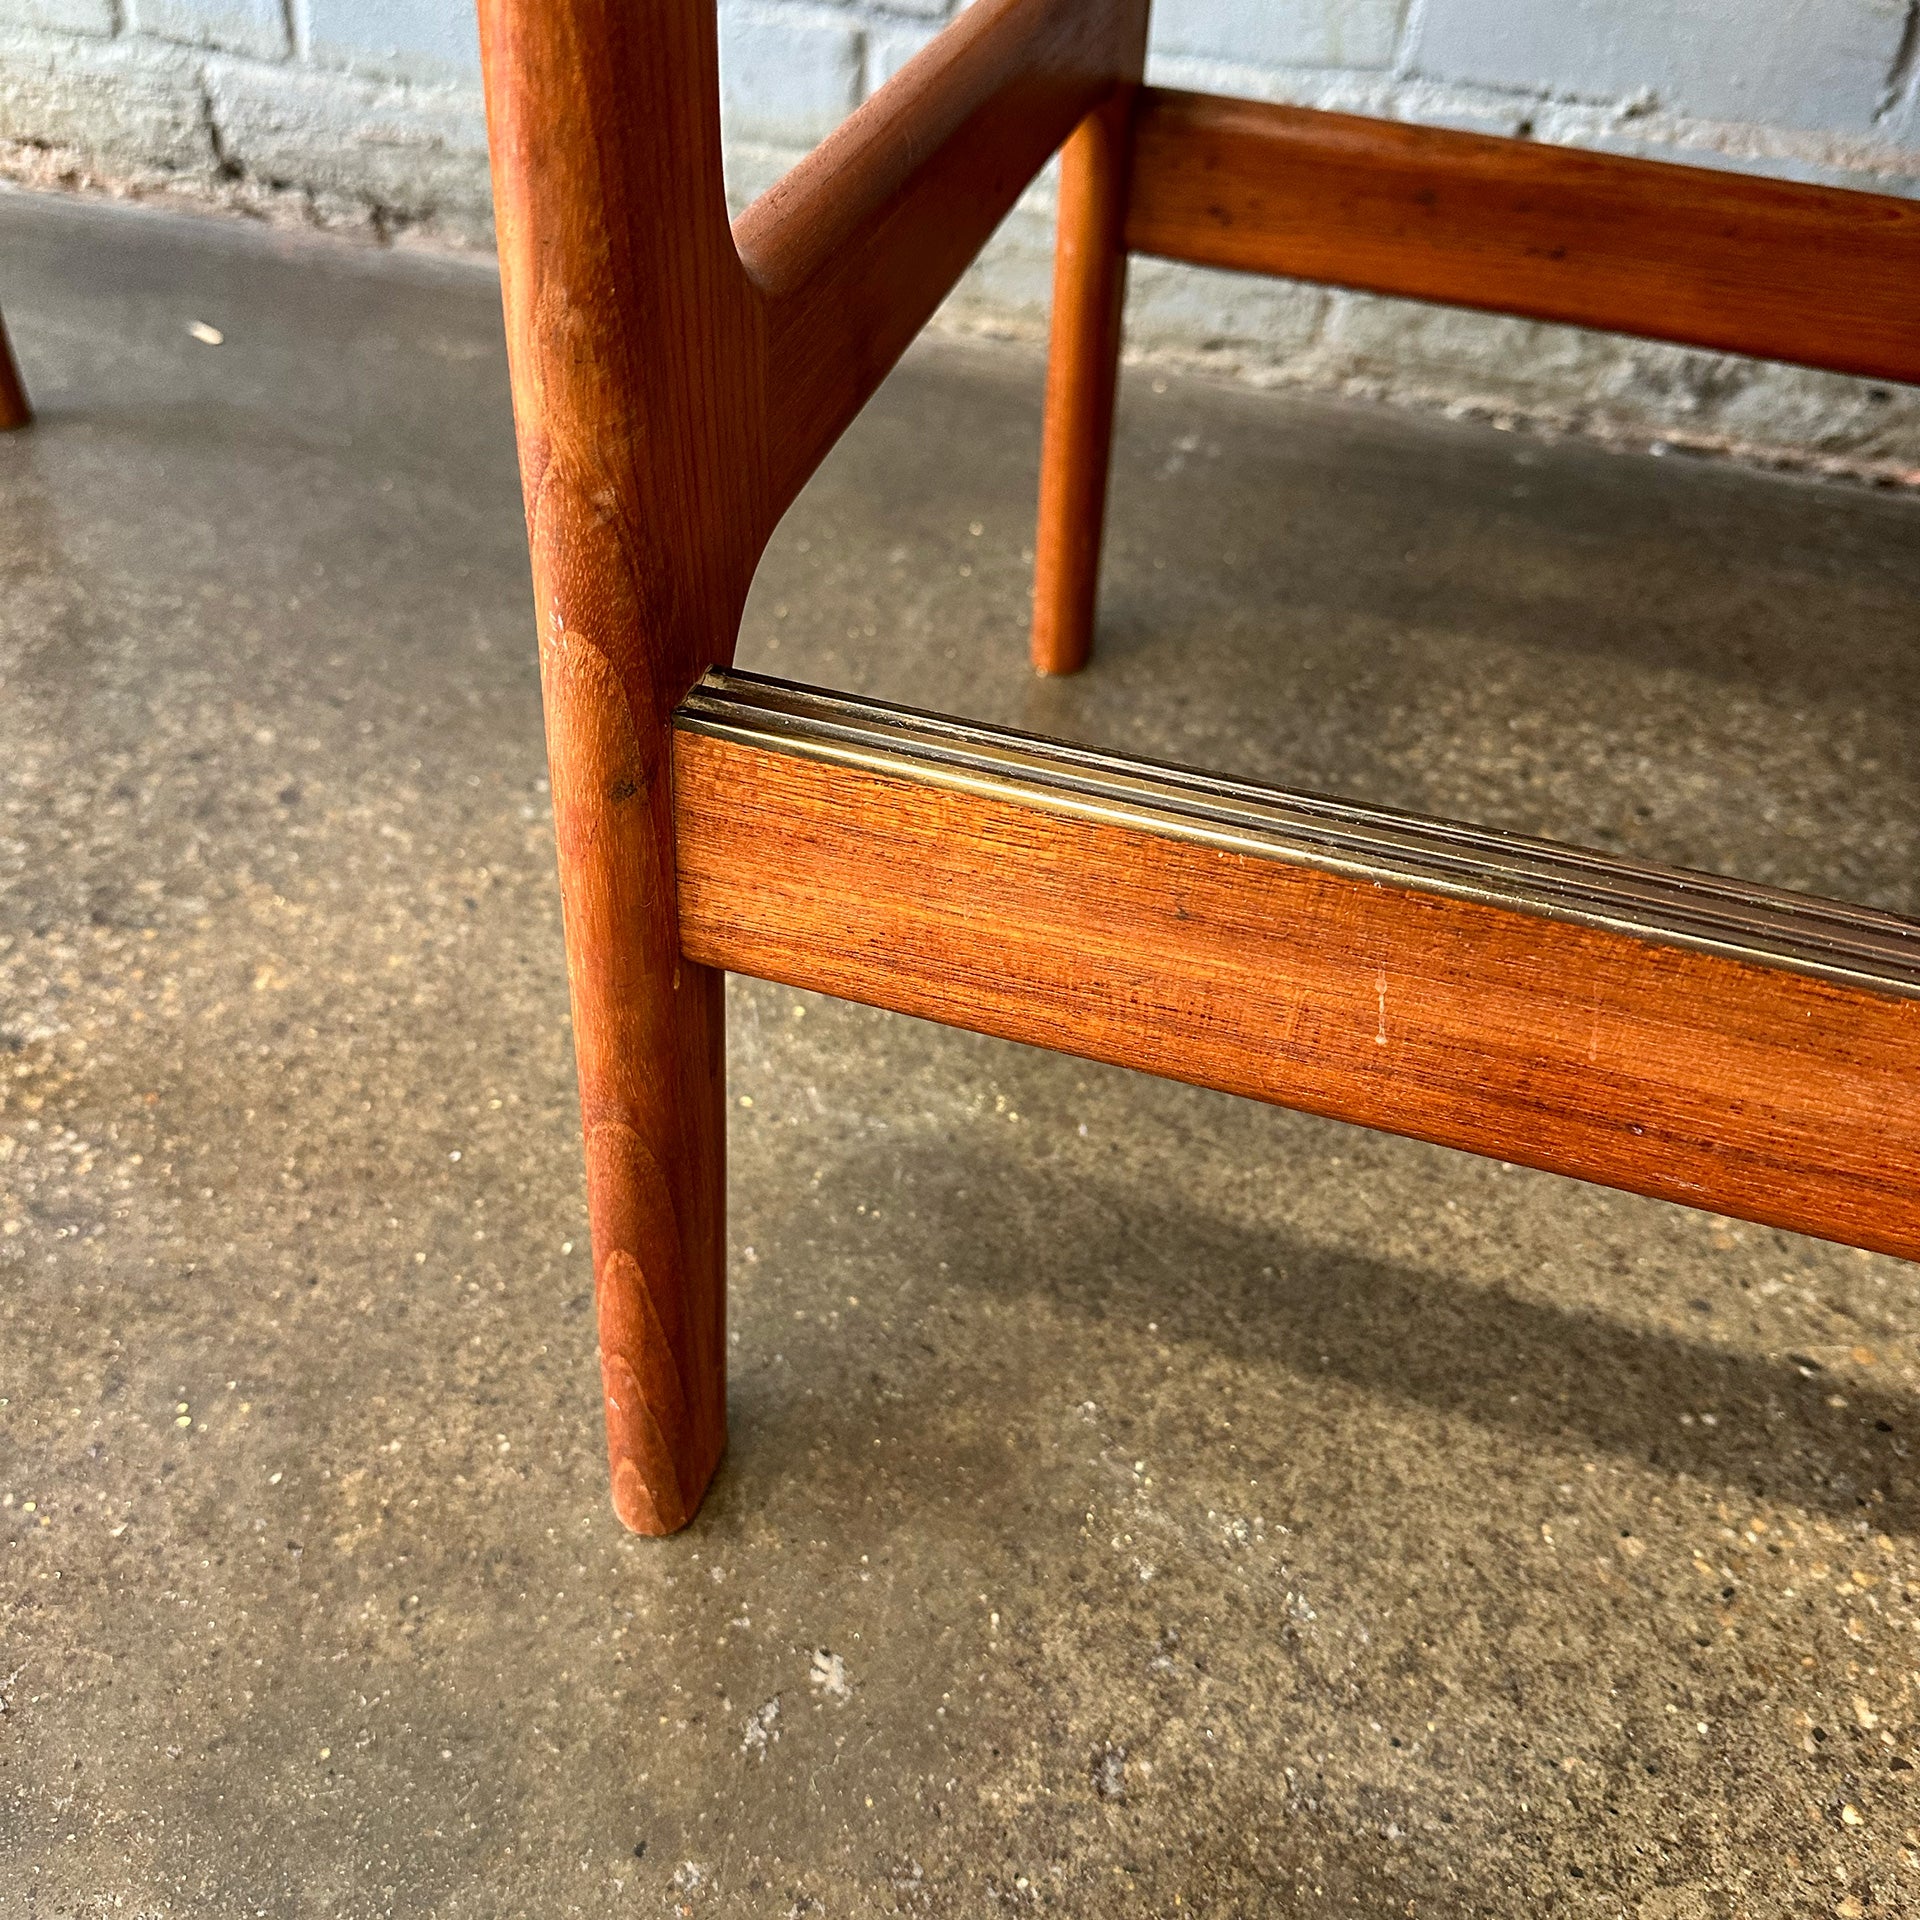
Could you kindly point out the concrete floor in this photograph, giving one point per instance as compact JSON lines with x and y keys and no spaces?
{"x":1139,"y":1502}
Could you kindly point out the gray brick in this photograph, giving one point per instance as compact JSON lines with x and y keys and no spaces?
{"x":751,"y":170}
{"x":128,"y":109}
{"x":1412,"y":345}
{"x":788,"y":75}
{"x":1264,"y":33}
{"x":1818,"y":64}
{"x":407,"y":39}
{"x":59,"y":16}
{"x":411,"y":153}
{"x":1230,"y":320}
{"x":258,"y":27}
{"x":892,"y":45}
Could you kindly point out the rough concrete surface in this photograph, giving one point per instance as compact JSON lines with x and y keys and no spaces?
{"x":1139,"y":1502}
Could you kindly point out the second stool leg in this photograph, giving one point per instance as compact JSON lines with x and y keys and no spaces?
{"x":1089,"y":287}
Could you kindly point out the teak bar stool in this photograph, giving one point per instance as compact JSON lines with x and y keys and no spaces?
{"x":676,"y":380}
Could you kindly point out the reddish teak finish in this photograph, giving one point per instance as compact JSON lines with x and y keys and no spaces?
{"x":1083,"y":366}
{"x":855,"y":248}
{"x":1822,"y":276}
{"x":631,"y":335}
{"x":14,"y":408}
{"x":673,"y":388}
{"x":1751,"y":1090}
{"x":675,"y":382}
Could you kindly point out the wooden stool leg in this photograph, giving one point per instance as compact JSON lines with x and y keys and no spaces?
{"x":14,"y":408}
{"x":1089,"y":287}
{"x":649,"y":1042}
{"x":637,"y":356}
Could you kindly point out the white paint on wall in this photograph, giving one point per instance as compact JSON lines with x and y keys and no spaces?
{"x":395,"y":39}
{"x":1256,"y":33}
{"x":256,"y":27}
{"x":62,"y":16}
{"x":366,"y":115}
{"x":1820,"y":65}
{"x":788,"y":73}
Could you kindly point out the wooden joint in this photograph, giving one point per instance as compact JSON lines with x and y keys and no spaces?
{"x":854,"y":248}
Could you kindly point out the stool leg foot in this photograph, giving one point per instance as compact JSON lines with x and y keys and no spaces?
{"x":15,"y":411}
{"x":1089,"y":286}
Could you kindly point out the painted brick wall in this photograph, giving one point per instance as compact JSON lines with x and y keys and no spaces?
{"x":365,"y":114}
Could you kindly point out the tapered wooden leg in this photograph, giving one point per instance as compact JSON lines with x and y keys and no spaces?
{"x":648,"y":1039}
{"x":14,"y":408}
{"x":637,"y":354}
{"x":1089,"y":286}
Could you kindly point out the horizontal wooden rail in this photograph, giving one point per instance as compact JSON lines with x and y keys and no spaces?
{"x":1731,"y":1047}
{"x":1821,"y":276}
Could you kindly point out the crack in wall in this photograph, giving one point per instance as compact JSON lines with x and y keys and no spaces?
{"x":1902,"y":68}
{"x":225,"y":165}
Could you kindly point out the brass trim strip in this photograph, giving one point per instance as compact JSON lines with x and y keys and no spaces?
{"x":1763,"y":926}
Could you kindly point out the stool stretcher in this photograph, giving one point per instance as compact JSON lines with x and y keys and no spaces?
{"x":1674,"y":1034}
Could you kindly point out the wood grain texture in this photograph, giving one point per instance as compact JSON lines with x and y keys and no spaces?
{"x":1820,"y":276}
{"x":670,"y":397}
{"x":15,"y":411}
{"x":675,"y":382}
{"x":1665,"y":1070}
{"x":858,"y":244}
{"x":1083,"y":368}
{"x":637,"y":359}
